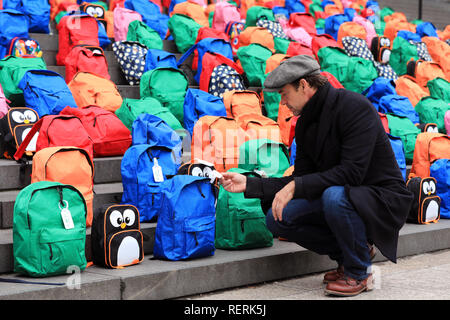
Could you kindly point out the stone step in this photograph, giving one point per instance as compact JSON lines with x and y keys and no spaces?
{"x":159,"y":279}
{"x":115,"y":73}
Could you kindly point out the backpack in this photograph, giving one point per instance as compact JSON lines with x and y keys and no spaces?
{"x":439,"y":89}
{"x":217,"y":140}
{"x":407,"y":86}
{"x":198,"y":103}
{"x":268,"y":156}
{"x":398,"y":105}
{"x":286,"y":122}
{"x":201,"y":168}
{"x":432,"y":110}
{"x":37,"y":13}
{"x":430,"y":146}
{"x":57,"y":131}
{"x":381,"y":49}
{"x":185,"y":231}
{"x":47,"y":245}
{"x":233,"y":29}
{"x":224,"y":14}
{"x":253,"y":60}
{"x":351,"y":29}
{"x":356,"y":47}
{"x":25,"y":48}
{"x":256,"y":13}
{"x":108,"y":134}
{"x":122,"y":19}
{"x":151,"y":15}
{"x":168,"y":86}
{"x":240,"y":221}
{"x":46,"y":92}
{"x":184,"y":31}
{"x":333,"y":23}
{"x":94,"y":10}
{"x":218,"y":46}
{"x":138,"y":31}
{"x":402,"y":52}
{"x":258,"y":35}
{"x":4,"y":107}
{"x":257,"y":126}
{"x":403,"y":128}
{"x":220,"y":74}
{"x":116,"y":237}
{"x":304,"y":20}
{"x":424,"y":71}
{"x":13,"y":24}
{"x":90,"y":89}
{"x":140,"y":186}
{"x":131,"y":56}
{"x":12,"y":69}
{"x":397,"y":147}
{"x":426,"y":205}
{"x":74,"y":30}
{"x":83,"y":58}
{"x":440,"y":53}
{"x":14,"y":127}
{"x":273,"y":27}
{"x":321,"y":41}
{"x":156,"y":58}
{"x":381,"y":87}
{"x":241,"y":102}
{"x":193,"y":10}
{"x":131,"y":108}
{"x":68,"y":165}
{"x":440,"y":170}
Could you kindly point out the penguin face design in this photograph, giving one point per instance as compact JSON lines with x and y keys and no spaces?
{"x":432,"y":128}
{"x":22,"y":116}
{"x":95,"y":11}
{"x":428,"y":187}
{"x":120,"y":218}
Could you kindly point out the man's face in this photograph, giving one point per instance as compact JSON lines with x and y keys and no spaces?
{"x":294,"y":99}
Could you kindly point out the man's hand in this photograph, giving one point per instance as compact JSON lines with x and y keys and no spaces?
{"x":233,"y":182}
{"x":281,"y":200}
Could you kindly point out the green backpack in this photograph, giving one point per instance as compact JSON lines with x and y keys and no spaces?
{"x":240,"y":221}
{"x":354,"y":73}
{"x":140,"y":32}
{"x":402,"y":52}
{"x":49,"y":229}
{"x":265,"y":155}
{"x":132,"y":108}
{"x":184,"y":30}
{"x":255,"y":13}
{"x":439,"y":88}
{"x":168,"y":86}
{"x":12,"y":69}
{"x":281,"y":45}
{"x":432,"y":110}
{"x":253,"y":60}
{"x":404,"y":128}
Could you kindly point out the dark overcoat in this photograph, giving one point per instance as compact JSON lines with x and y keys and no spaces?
{"x":349,"y":147}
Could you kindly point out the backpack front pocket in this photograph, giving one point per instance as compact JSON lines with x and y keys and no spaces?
{"x":199,"y":235}
{"x":124,"y":248}
{"x":251,"y":230}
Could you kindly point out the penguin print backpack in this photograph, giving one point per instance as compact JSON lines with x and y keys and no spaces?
{"x":116,"y":237}
{"x":426,"y":205}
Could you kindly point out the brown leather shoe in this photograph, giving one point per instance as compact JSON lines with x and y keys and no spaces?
{"x":333,"y":275}
{"x":349,"y":287}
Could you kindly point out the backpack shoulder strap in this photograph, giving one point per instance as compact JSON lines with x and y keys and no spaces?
{"x":21,"y":150}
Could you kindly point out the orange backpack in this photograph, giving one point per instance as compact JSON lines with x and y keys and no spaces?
{"x":407,"y":86}
{"x":424,"y":71}
{"x":193,"y":10}
{"x":286,"y":121}
{"x":430,"y":146}
{"x":89,"y":89}
{"x":217,"y":140}
{"x":68,"y":165}
{"x":394,"y":25}
{"x":351,"y":29}
{"x":241,"y":102}
{"x":257,"y":126}
{"x":257,"y":35}
{"x":439,"y":52}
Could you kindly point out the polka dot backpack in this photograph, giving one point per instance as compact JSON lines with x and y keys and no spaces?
{"x":131,"y":56}
{"x":225,"y":78}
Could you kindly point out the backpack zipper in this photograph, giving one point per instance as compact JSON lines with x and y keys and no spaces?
{"x":51,"y":251}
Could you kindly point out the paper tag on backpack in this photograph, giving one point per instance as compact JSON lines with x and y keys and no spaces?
{"x":66,"y":216}
{"x":157,"y":171}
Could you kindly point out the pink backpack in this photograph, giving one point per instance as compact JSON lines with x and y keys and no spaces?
{"x":368,"y":25}
{"x":298,"y":34}
{"x":223,"y":14}
{"x":3,"y":103}
{"x":122,"y":18}
{"x":447,"y":122}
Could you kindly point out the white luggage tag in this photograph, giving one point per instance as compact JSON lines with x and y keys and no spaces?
{"x":157,"y":171}
{"x":66,"y":216}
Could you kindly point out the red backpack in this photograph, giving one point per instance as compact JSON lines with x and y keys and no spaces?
{"x":75,"y":30}
{"x":304,"y":20}
{"x":109,"y":135}
{"x":86,"y":58}
{"x":320,"y":41}
{"x":58,"y":131}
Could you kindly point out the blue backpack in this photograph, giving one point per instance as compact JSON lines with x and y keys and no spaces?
{"x":397,"y":147}
{"x":380,"y":87}
{"x":151,"y":15}
{"x":440,"y":170}
{"x":140,"y":186}
{"x":398,"y":105}
{"x":426,"y":29}
{"x":219,"y":46}
{"x":46,"y":92}
{"x":13,"y":24}
{"x":186,"y":219}
{"x":198,"y":103}
{"x":294,"y":6}
{"x":36,"y":11}
{"x":159,"y":58}
{"x":332,"y":24}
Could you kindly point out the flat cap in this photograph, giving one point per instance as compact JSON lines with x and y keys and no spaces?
{"x":290,"y":70}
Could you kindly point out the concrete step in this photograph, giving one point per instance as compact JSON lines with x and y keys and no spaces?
{"x":158,"y":279}
{"x":115,"y":73}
